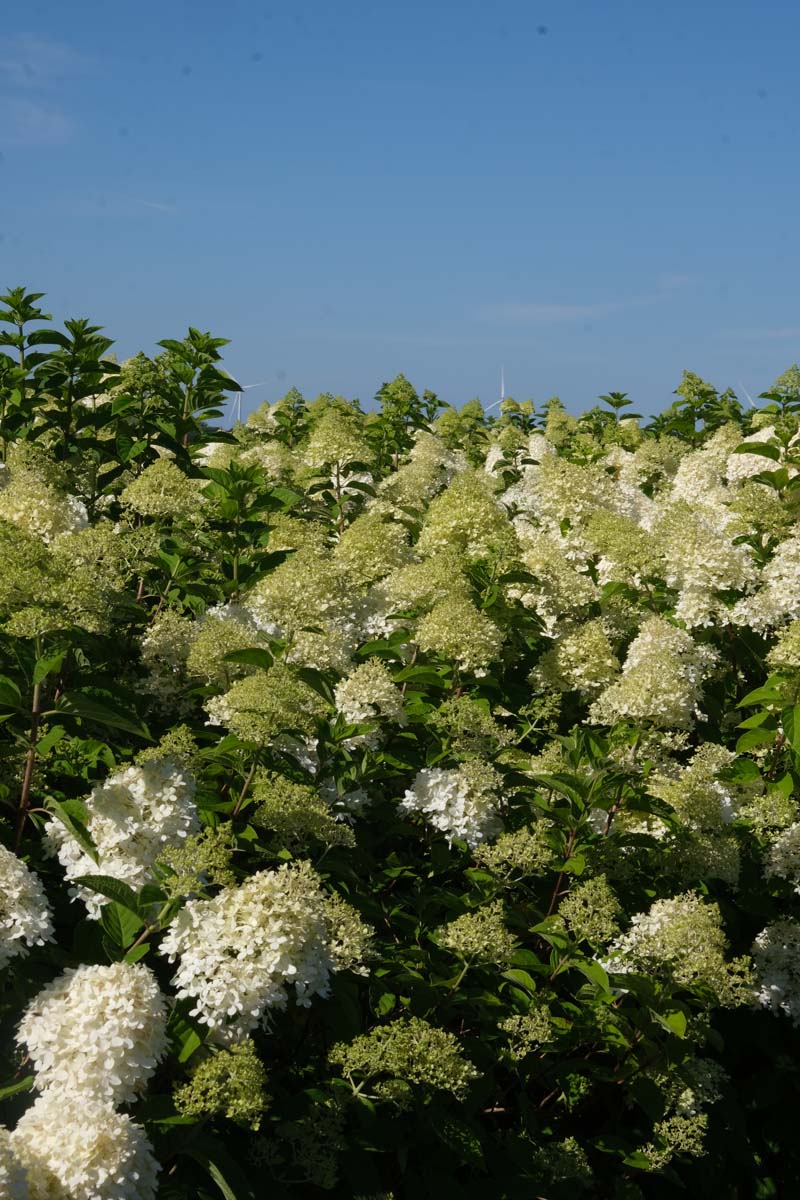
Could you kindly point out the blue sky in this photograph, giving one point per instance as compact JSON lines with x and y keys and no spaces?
{"x":594,"y":194}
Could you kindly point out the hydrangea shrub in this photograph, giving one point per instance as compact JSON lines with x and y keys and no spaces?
{"x":397,"y":803}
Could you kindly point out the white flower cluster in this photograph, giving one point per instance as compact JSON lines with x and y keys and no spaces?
{"x":94,"y":1036}
{"x":701,"y":560}
{"x":740,"y":467}
{"x":461,"y":801}
{"x":131,"y":818}
{"x":79,"y":1148}
{"x":368,"y":694}
{"x":777,"y":600}
{"x":783,"y":856}
{"x":13,"y":1176}
{"x":99,"y":1030}
{"x":239,"y":951}
{"x":40,"y":509}
{"x":24,"y":911}
{"x":661,"y":680}
{"x":776,"y":952}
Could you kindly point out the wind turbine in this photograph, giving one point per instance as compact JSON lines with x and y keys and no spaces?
{"x":502,"y":391}
{"x":237,"y":404}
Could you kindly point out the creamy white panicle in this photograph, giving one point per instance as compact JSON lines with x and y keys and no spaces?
{"x":777,"y":599}
{"x":24,"y":911}
{"x":13,"y":1176}
{"x":131,"y":818}
{"x":97,"y":1030}
{"x":240,"y":951}
{"x":661,"y":681}
{"x":776,"y":952}
{"x":77,"y":1148}
{"x":460,"y":802}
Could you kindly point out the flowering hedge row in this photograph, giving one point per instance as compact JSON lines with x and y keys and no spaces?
{"x":393,"y":804}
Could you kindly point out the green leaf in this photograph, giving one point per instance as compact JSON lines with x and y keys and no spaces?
{"x":138,"y":952}
{"x":522,"y":978}
{"x":50,"y":739}
{"x":769,"y":693}
{"x":73,"y":824}
{"x":593,"y":972}
{"x":674,"y":1020}
{"x":765,"y":449}
{"x":100,"y":712}
{"x":422,"y":675}
{"x":10,"y":695}
{"x":224,"y":1171}
{"x":114,"y":889}
{"x":790,"y":720}
{"x":184,"y":1034}
{"x":253,"y":657}
{"x":120,"y":924}
{"x":754,"y":737}
{"x":44,"y":666}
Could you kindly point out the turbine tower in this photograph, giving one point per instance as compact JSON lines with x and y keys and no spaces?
{"x":502,"y":385}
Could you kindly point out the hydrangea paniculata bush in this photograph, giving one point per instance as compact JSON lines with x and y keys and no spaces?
{"x":398,"y":801}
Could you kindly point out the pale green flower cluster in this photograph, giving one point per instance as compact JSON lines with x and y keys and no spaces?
{"x":591,"y":911}
{"x":409,"y":1051}
{"x":455,"y":629}
{"x":201,"y":860}
{"x":525,"y":852}
{"x":260,"y":707}
{"x":72,"y":581}
{"x":481,"y":936}
{"x":682,"y":939}
{"x":529,"y":1031}
{"x":430,"y":467}
{"x":626,"y":552}
{"x":34,"y":497}
{"x":221,"y":631}
{"x":231,"y":1083}
{"x":295,"y":812}
{"x":469,"y":517}
{"x":696,"y":793}
{"x":702,"y":559}
{"x":469,"y":727}
{"x":558,"y":589}
{"x":582,"y":660}
{"x":677,"y":1135}
{"x":421,"y":585}
{"x":661,"y":681}
{"x":163,"y":491}
{"x":371,"y":547}
{"x":336,"y":441}
{"x":785,"y":654}
{"x":369,"y":694}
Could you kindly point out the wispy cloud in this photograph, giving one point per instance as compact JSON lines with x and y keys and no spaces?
{"x":116,"y":204}
{"x":155,"y":205}
{"x":545,"y":312}
{"x":400,"y":337}
{"x":32,"y":123}
{"x":29,"y":61}
{"x":779,"y":334}
{"x":32,"y":70}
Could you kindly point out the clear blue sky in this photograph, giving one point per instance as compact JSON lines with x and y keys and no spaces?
{"x":594,"y":193}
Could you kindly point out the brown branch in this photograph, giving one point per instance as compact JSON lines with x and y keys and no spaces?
{"x":30,"y":762}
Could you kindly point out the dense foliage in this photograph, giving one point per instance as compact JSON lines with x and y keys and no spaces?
{"x":397,"y":803}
